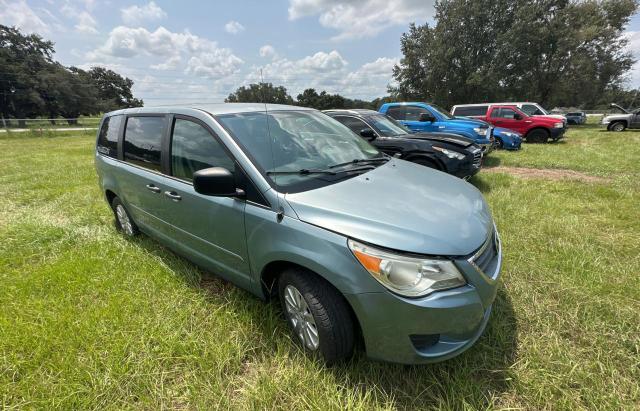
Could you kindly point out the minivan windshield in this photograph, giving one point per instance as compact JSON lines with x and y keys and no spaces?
{"x":387,"y":127}
{"x":301,"y":150}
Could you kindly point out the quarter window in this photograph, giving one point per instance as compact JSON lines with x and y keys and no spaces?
{"x":193,"y":148}
{"x":108,"y":137}
{"x":143,"y":141}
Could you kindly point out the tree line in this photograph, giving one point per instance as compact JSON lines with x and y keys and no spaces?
{"x":556,"y":52}
{"x":33,"y":84}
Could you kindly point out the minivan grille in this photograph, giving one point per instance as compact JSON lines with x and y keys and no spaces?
{"x":486,"y":259}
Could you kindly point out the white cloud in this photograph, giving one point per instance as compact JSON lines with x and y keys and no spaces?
{"x":361,"y":18}
{"x":267,"y":51}
{"x":85,"y":23}
{"x":633,"y":37}
{"x":329,"y":72}
{"x":136,"y":15}
{"x":233,"y":27}
{"x":19,"y":14}
{"x":204,"y":56}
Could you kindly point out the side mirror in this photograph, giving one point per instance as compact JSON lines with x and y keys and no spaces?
{"x":217,"y":182}
{"x":426,"y":118}
{"x":368,"y":134}
{"x":517,"y":116}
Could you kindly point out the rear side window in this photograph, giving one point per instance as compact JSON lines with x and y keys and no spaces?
{"x":396,"y":112}
{"x":412,"y":113}
{"x":471,"y":111}
{"x":143,"y":141}
{"x":353,"y":123}
{"x":193,"y":148}
{"x":108,"y":137}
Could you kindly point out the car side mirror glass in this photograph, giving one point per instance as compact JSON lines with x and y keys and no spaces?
{"x":368,"y":134}
{"x":426,"y":118}
{"x":517,"y":116}
{"x":217,"y":182}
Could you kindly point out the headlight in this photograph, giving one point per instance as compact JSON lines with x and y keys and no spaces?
{"x":481,"y":131}
{"x":558,"y":125}
{"x":407,"y":276}
{"x":449,"y":153}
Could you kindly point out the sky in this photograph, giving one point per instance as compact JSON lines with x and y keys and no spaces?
{"x":196,"y":51}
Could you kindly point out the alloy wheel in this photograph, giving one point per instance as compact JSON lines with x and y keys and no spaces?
{"x":123,"y":220}
{"x":301,"y":319}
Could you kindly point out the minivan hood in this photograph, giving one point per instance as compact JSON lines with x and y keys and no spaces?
{"x":401,"y":206}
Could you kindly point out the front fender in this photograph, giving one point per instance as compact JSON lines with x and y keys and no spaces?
{"x":290,"y":240}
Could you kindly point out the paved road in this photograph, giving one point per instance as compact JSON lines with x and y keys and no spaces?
{"x":23,"y":130}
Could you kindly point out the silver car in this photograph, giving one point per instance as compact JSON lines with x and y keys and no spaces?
{"x":288,"y":203}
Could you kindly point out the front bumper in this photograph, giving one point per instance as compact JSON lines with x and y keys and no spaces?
{"x":432,"y":328}
{"x":557,"y":133}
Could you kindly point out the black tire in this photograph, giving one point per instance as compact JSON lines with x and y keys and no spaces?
{"x":127,"y":226}
{"x":617,"y":126}
{"x":425,"y":162}
{"x":330,"y":312}
{"x":538,"y":135}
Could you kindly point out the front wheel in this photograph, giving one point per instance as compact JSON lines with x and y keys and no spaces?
{"x":538,"y":136}
{"x":617,"y":126}
{"x":317,"y":314}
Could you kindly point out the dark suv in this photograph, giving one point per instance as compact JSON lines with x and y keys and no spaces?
{"x":446,"y":152}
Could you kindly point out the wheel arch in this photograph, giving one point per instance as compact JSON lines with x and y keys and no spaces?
{"x":269,"y":285}
{"x":623,"y":121}
{"x":536,"y":128}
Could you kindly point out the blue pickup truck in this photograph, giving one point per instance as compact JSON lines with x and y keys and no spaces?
{"x":423,"y":117}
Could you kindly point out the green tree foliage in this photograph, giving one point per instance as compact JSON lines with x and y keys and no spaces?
{"x":557,"y":52}
{"x":260,"y":93}
{"x":32,"y":84}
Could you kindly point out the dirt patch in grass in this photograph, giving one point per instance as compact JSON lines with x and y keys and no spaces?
{"x":550,"y":174}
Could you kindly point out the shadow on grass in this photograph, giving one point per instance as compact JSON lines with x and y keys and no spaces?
{"x":490,"y":161}
{"x":470,"y":380}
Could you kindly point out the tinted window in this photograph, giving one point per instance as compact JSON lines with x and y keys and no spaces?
{"x":507,"y":113}
{"x":194,"y":148}
{"x":575,"y":114}
{"x":471,"y":111}
{"x":412,"y":113}
{"x":143,"y":141}
{"x":356,"y":125}
{"x":108,"y":137}
{"x":396,"y":112}
{"x":532,"y":110}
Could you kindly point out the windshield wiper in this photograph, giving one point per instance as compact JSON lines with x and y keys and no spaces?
{"x":303,"y":172}
{"x":361,"y":161}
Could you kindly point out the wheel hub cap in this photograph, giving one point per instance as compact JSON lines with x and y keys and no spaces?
{"x":123,"y":220}
{"x":301,"y":318}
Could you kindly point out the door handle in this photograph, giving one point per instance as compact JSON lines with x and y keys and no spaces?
{"x":173,"y":195}
{"x":153,"y":188}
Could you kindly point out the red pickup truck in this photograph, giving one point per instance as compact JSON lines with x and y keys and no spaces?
{"x":535,"y":129}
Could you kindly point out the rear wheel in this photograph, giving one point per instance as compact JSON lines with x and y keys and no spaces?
{"x":538,"y":135}
{"x":124,"y":222}
{"x":318,"y":315}
{"x":617,"y":126}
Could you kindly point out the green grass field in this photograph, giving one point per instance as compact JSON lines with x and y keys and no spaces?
{"x":92,"y":320}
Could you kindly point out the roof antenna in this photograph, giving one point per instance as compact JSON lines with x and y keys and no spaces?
{"x":280,"y":210}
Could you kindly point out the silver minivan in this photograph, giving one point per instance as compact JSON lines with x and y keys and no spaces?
{"x":286,"y":202}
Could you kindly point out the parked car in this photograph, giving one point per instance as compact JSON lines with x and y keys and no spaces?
{"x":620,"y":122}
{"x":423,"y":117}
{"x":446,"y":152}
{"x":535,"y":129}
{"x":527,"y":107}
{"x":507,"y":139}
{"x":576,"y":117}
{"x":285,"y":201}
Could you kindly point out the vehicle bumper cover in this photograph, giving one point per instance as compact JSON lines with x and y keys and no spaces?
{"x":450,"y":321}
{"x":557,"y":133}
